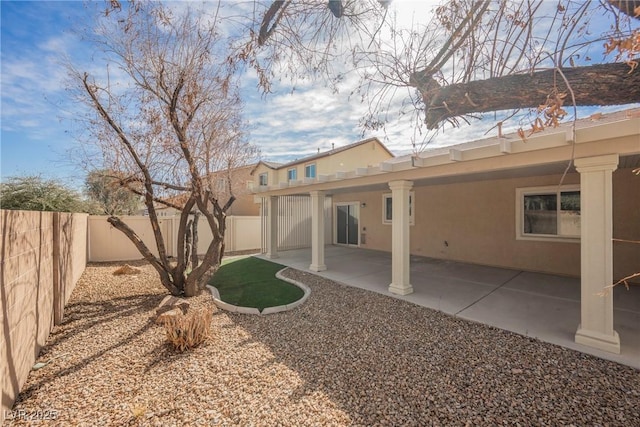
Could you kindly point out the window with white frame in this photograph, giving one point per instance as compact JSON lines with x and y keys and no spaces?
{"x":292,"y":174}
{"x":548,"y":213}
{"x":249,"y":185}
{"x":310,"y":171}
{"x":387,"y":208}
{"x":263,"y":179}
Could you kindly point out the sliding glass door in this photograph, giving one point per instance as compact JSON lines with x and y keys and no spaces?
{"x":347,"y":224}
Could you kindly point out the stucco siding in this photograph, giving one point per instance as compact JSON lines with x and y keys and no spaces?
{"x":626,"y":223}
{"x":368,"y":154}
{"x":475,"y":222}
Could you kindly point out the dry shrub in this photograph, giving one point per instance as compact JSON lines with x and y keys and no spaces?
{"x":126,"y":269}
{"x":185,"y":331}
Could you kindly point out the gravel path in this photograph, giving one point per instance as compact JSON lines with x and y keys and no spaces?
{"x":345,"y":357}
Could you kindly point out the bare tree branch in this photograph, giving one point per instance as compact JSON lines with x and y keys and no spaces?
{"x":603,"y":84}
{"x":173,"y":118}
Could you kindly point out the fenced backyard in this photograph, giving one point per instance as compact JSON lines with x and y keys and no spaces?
{"x":347,"y":356}
{"x":43,"y":256}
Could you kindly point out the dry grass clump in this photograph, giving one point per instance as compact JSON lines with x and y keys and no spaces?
{"x":126,"y":269}
{"x":185,"y":331}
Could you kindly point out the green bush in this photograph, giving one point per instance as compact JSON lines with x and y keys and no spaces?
{"x":34,"y":193}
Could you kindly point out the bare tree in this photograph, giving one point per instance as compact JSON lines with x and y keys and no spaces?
{"x":468,"y":57}
{"x":165,"y":113}
{"x":303,"y":38}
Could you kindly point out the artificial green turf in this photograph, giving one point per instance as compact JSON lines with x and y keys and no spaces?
{"x":251,"y":282}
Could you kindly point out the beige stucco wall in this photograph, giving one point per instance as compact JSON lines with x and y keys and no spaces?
{"x":271,"y":174}
{"x":368,"y":154}
{"x":477,"y":220}
{"x":241,"y":186}
{"x":626,"y":223}
{"x":106,"y":243}
{"x":244,"y":204}
{"x":43,"y":256}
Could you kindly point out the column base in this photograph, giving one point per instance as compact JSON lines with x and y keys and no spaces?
{"x":320,"y":267}
{"x":271,"y":256}
{"x":404,"y":290}
{"x":605,"y":342}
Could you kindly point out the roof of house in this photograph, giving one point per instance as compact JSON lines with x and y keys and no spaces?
{"x":501,"y":156}
{"x":583,"y":123}
{"x":273,"y":165}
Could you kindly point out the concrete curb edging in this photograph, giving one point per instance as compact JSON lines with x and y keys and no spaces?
{"x":268,"y":310}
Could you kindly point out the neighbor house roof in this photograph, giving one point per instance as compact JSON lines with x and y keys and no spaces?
{"x":270,"y":165}
{"x":323,"y":154}
{"x":178,"y":200}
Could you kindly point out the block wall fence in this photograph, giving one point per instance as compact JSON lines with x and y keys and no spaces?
{"x":43,"y":255}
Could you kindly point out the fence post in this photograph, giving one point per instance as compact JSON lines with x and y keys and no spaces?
{"x":230,"y":235}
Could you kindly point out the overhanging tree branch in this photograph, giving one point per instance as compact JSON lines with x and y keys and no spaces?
{"x":602,"y":84}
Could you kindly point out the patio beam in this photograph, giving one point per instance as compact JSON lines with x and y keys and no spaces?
{"x":400,"y":256}
{"x":596,"y":225}
{"x":317,"y":231}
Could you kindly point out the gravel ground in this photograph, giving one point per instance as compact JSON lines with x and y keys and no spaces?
{"x":345,"y":357}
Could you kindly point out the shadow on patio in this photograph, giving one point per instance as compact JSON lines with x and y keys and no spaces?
{"x":541,"y":306}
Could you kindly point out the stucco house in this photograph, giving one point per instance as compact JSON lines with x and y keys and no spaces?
{"x":294,"y":210}
{"x":241,"y":184}
{"x":319,"y":167}
{"x":563,"y":202}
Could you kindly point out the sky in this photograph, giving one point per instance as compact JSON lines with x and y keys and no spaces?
{"x":36,"y":115}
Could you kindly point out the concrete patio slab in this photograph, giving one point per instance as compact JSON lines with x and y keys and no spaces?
{"x":541,"y":306}
{"x":546,"y":284}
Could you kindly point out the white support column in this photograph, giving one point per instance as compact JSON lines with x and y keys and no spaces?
{"x":272,"y":227}
{"x":400,"y":257}
{"x":317,"y":231}
{"x":596,"y":259}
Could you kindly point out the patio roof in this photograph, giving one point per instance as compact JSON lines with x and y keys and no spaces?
{"x":544,"y":153}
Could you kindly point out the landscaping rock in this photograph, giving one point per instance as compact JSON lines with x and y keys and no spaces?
{"x":347,"y":357}
{"x":164,"y":316}
{"x":171,"y":302}
{"x":126,"y":269}
{"x":170,"y":306}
